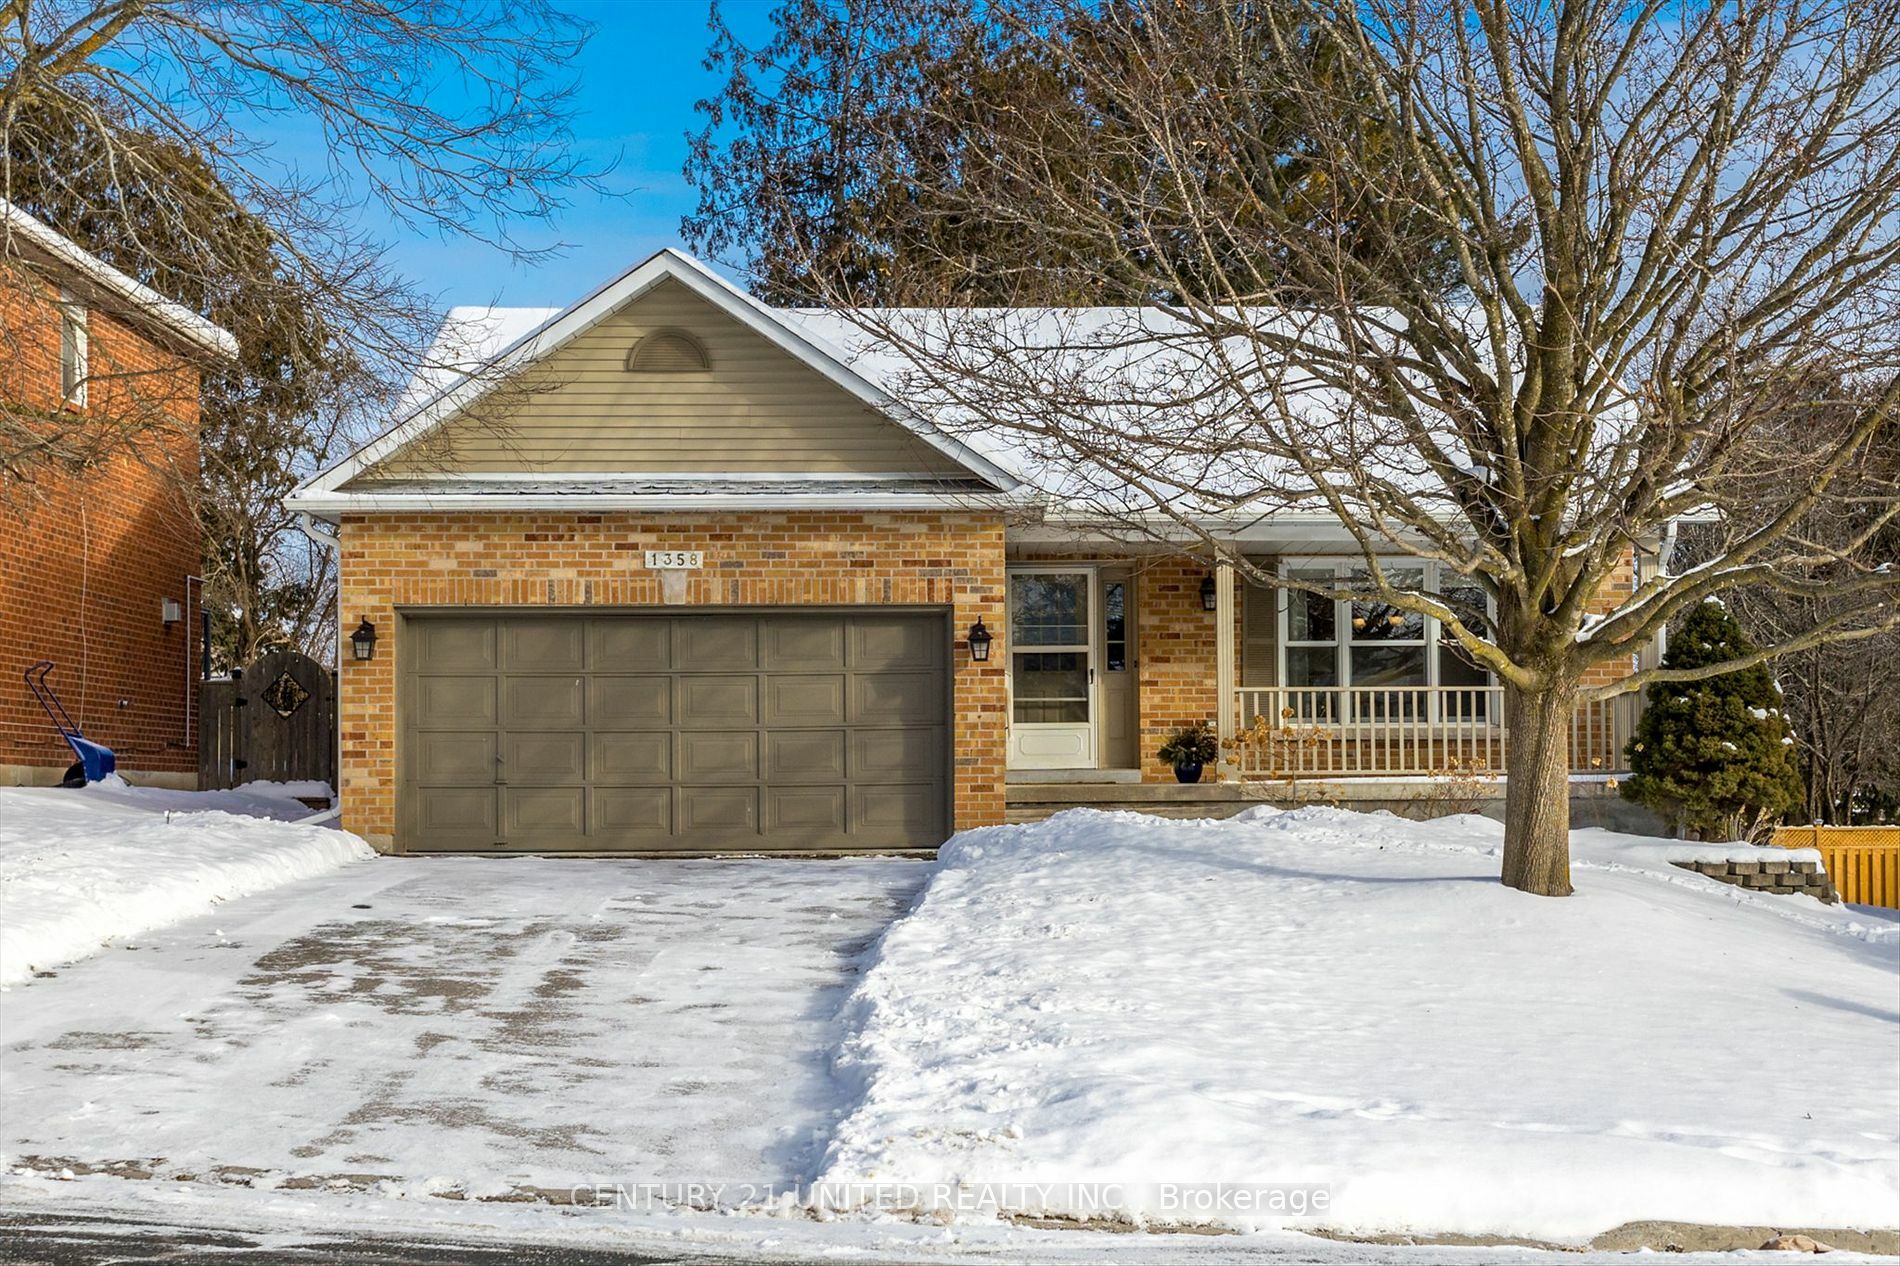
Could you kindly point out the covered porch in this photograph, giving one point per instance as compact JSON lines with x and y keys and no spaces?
{"x":1432,"y":731}
{"x":1112,"y":648}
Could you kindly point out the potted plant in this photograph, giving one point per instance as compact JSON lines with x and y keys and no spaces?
{"x":1191,"y":749}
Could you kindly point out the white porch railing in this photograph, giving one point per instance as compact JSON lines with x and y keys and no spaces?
{"x":1357,"y":731}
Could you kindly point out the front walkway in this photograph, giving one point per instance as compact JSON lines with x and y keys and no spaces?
{"x":478,"y":1026}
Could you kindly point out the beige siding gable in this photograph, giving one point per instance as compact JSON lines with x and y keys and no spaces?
{"x":755,"y":410}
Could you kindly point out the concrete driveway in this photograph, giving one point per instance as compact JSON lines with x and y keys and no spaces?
{"x":483,"y":1028}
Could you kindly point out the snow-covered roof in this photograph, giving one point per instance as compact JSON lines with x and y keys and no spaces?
{"x":1070,"y":339}
{"x":1022,"y":396}
{"x":1147,"y":389}
{"x":1048,"y":348}
{"x":30,"y":239}
{"x":470,"y":336}
{"x":1170,"y":403}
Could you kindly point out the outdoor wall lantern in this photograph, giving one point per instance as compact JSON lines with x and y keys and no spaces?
{"x":1207,"y":592}
{"x":363,"y":641}
{"x":980,"y":639}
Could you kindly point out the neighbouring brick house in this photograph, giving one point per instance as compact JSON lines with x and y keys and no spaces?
{"x":669,"y":571}
{"x":98,"y":568}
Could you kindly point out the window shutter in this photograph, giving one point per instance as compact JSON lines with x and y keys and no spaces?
{"x":1260,"y":620}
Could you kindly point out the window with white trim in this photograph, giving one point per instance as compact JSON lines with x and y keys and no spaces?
{"x":1309,"y":640}
{"x":1389,"y":657}
{"x":75,"y":352}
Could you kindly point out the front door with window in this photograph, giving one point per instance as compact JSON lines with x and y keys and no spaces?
{"x":1052,"y":669}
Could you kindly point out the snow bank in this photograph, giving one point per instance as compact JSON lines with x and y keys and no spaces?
{"x":1692,"y":852}
{"x":262,"y":799}
{"x":1105,"y":1006}
{"x":308,"y":788}
{"x":79,"y":868}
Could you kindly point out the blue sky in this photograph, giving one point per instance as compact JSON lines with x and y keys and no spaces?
{"x":638,"y":77}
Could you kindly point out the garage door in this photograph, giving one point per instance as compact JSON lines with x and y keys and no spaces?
{"x":674,"y":733}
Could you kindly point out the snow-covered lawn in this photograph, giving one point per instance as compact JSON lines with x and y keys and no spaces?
{"x":1104,"y":1014}
{"x":79,"y":868}
{"x":1104,"y":1005}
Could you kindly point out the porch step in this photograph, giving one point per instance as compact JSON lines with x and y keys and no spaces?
{"x":1032,"y":802}
{"x":1071,"y":776}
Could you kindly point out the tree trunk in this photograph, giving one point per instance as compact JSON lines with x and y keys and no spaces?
{"x":1537,"y":790}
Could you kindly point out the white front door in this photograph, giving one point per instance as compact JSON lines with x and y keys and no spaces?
{"x":1052,"y":668}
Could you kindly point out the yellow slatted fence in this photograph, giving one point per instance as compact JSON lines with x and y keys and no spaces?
{"x":1863,"y":861}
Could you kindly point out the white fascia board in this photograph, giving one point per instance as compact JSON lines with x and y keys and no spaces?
{"x":201,"y":334}
{"x":688,"y":476}
{"x":330,"y":506}
{"x":1055,"y":530}
{"x":1058,"y":523}
{"x":665,"y":265}
{"x":1057,"y":515}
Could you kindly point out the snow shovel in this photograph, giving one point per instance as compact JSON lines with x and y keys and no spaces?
{"x":95,"y":759}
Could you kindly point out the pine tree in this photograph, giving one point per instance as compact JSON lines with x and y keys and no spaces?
{"x":1715,"y":756}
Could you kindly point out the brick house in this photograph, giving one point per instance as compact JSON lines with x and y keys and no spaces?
{"x":98,"y":569}
{"x":668,"y":571}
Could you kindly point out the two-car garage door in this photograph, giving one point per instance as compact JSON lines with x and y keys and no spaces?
{"x":674,"y":732}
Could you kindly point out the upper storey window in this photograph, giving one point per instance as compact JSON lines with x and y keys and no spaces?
{"x":74,"y":349}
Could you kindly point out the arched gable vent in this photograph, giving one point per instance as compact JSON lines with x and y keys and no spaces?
{"x":668,"y":352}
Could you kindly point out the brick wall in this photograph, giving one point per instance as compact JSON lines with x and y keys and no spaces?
{"x":804,"y":558}
{"x":1175,"y":654}
{"x":1616,"y":590}
{"x":85,"y":561}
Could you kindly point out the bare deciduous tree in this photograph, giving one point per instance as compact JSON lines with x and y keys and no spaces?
{"x":453,"y":116}
{"x":1672,"y":227}
{"x":1844,"y":702}
{"x":1842,"y":697}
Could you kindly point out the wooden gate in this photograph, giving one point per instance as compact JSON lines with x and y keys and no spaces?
{"x":274,"y":721}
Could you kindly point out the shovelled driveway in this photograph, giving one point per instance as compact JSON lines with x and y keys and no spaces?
{"x":481,"y":1028}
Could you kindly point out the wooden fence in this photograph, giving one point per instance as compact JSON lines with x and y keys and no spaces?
{"x":273,"y":721}
{"x":1863,"y":861}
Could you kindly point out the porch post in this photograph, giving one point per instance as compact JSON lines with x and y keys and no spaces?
{"x":1224,"y":678}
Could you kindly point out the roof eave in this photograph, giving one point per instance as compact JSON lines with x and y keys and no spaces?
{"x":173,"y":321}
{"x":331,"y":505}
{"x":1061,"y":515}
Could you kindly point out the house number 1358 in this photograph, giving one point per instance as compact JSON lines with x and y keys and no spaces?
{"x":676,"y":559}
